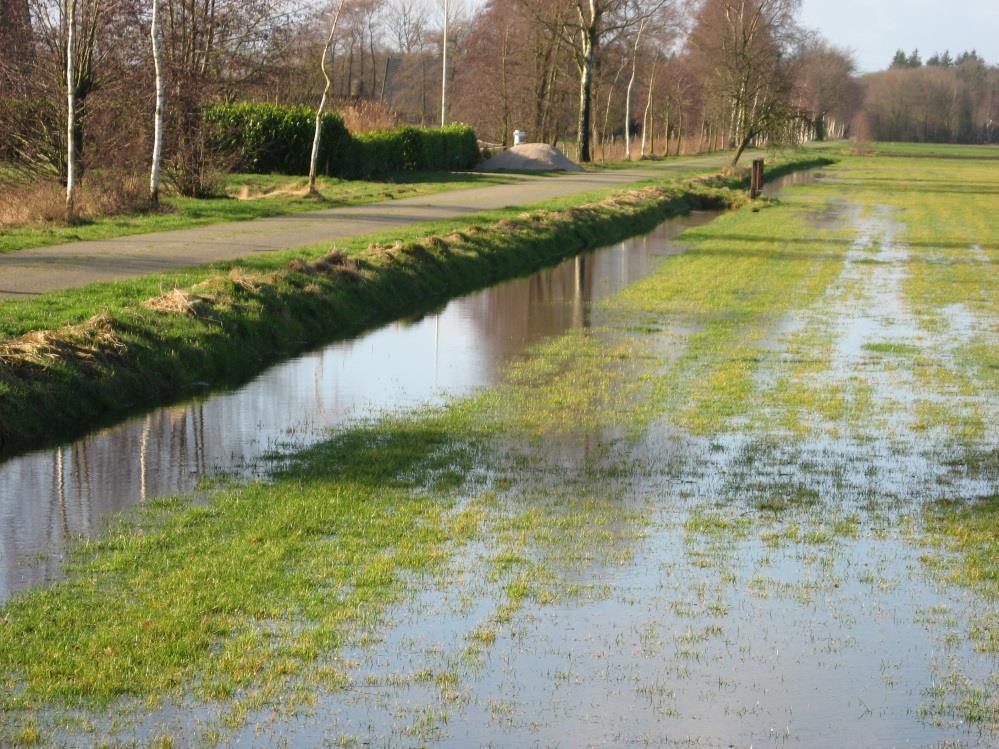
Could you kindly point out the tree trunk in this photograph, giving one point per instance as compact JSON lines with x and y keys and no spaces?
{"x":607,"y":108}
{"x":314,"y":160}
{"x":679,"y":133}
{"x":649,"y":112}
{"x":444,"y":68}
{"x":154,"y":172}
{"x":627,"y":99}
{"x":743,"y":144}
{"x":585,"y":95}
{"x":504,"y":89}
{"x":70,"y":112}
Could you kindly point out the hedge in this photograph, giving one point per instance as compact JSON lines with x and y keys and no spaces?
{"x":264,"y":138}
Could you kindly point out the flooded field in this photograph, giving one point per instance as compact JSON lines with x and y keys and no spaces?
{"x":744,"y":495}
{"x":50,"y":497}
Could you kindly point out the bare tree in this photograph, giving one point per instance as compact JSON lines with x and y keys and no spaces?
{"x":70,"y":21}
{"x":444,"y":37}
{"x":154,"y":172}
{"x":585,"y":28}
{"x":631,"y":85}
{"x":314,"y":160}
{"x":826,"y":85}
{"x":742,"y":47}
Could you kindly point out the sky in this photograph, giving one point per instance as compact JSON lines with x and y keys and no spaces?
{"x":874,"y":29}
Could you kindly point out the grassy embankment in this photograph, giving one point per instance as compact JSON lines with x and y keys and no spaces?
{"x":247,"y":196}
{"x":63,"y":367}
{"x":247,"y":599}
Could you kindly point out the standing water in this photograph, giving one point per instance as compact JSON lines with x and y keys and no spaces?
{"x":52,"y":496}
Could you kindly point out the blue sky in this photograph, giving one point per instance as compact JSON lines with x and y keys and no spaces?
{"x":874,"y":29}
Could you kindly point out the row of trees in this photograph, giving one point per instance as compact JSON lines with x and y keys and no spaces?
{"x":646,"y":77}
{"x":723,"y":73}
{"x":589,"y":71}
{"x":945,"y":100}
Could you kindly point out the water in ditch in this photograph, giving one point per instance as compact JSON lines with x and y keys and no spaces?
{"x":52,"y":496}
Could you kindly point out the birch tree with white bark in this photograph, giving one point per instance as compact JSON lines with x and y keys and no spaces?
{"x":70,"y":21}
{"x":631,"y":85}
{"x":154,"y":172}
{"x":314,"y":160}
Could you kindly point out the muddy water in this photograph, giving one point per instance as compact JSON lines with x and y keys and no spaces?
{"x":51,"y":496}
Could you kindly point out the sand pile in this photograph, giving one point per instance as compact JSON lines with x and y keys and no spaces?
{"x":530,"y":157}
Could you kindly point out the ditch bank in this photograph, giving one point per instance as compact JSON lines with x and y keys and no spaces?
{"x":58,"y":383}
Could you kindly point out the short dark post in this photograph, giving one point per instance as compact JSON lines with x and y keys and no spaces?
{"x":756,"y":187}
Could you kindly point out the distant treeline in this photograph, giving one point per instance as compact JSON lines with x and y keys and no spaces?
{"x":945,"y":100}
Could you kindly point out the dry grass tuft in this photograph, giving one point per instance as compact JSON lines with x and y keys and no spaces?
{"x":89,"y":345}
{"x":179,"y":302}
{"x":43,"y":201}
{"x":243,"y":280}
{"x":335,"y":263}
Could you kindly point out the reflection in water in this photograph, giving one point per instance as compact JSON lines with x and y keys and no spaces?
{"x":50,"y":496}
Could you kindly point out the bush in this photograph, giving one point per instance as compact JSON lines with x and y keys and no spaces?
{"x":265,"y":138}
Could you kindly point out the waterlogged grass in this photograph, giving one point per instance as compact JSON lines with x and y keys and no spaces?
{"x":970,"y":531}
{"x":248,"y":588}
{"x":245,"y":600}
{"x":734,"y":468}
{"x":740,"y":276}
{"x":577,"y":383}
{"x":248,"y":196}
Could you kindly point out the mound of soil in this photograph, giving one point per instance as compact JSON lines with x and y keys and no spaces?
{"x":530,"y":157}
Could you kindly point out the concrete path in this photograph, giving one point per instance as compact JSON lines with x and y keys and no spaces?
{"x":27,"y":273}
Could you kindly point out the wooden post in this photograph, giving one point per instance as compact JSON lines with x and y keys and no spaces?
{"x":756,"y":187}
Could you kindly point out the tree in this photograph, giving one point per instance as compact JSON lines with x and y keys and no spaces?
{"x":584,"y":26}
{"x":71,"y":83}
{"x":314,"y":159}
{"x":826,"y":85}
{"x":741,"y":47}
{"x":154,"y":172}
{"x":15,"y":43}
{"x":631,"y":85}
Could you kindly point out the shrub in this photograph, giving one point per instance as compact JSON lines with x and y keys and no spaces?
{"x":265,"y":138}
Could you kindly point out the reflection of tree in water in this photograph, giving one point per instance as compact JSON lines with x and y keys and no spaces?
{"x":51,"y":496}
{"x":517,"y":314}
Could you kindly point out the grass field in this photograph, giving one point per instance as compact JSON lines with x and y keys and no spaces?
{"x":753,"y":502}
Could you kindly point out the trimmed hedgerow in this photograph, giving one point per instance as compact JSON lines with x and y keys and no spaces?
{"x":264,"y":138}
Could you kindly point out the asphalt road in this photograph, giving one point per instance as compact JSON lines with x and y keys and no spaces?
{"x":27,"y":273}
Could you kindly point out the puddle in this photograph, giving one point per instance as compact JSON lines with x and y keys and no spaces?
{"x":773,"y":189}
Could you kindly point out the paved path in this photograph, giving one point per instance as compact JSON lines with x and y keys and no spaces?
{"x":36,"y":271}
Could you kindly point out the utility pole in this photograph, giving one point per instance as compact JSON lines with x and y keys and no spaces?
{"x":444,"y":70}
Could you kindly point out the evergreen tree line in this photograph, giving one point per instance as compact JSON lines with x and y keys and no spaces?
{"x":944,"y":100}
